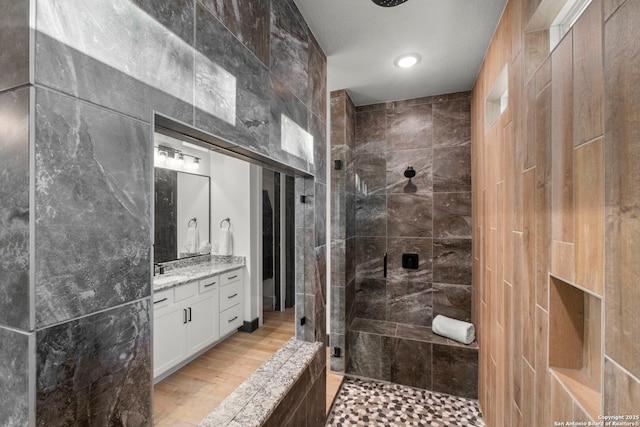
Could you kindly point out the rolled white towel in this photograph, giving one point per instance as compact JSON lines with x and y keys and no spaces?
{"x":458,"y":330}
{"x":193,"y":240}
{"x":225,"y":242}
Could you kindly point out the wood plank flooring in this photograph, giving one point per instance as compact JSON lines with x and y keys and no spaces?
{"x":185,"y":397}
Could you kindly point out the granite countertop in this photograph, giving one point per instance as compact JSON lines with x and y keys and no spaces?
{"x":252,"y":402}
{"x":182,"y":276}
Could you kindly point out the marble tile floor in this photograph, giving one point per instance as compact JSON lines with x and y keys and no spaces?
{"x":372,"y":403}
{"x":187,"y":396}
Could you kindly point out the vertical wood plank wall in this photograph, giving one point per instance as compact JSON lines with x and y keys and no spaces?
{"x":556,"y":191}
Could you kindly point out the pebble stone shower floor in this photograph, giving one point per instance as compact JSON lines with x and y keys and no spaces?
{"x":372,"y":403}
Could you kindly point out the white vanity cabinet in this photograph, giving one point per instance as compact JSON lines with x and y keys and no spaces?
{"x":231,"y":307}
{"x":169,"y":345}
{"x":190,"y":318}
{"x":185,"y":323}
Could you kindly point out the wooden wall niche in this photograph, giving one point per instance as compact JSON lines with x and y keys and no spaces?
{"x":575,"y":344}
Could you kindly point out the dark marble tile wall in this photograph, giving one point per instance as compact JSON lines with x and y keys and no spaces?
{"x":290,"y":47}
{"x":248,"y":20}
{"x":343,"y":220}
{"x":429,"y":215}
{"x":305,"y":403}
{"x":14,"y":209}
{"x":101,"y":71}
{"x":89,"y":161}
{"x":101,"y":363}
{"x":14,"y":33}
{"x":413,"y":356}
{"x":14,"y":378}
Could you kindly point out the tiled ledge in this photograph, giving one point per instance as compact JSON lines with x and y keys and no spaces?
{"x":402,"y":330}
{"x":412,"y":356}
{"x":285,"y":378}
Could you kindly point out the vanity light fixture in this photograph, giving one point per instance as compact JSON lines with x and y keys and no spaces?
{"x":408,"y":60}
{"x":176,"y":158}
{"x":162,"y":155}
{"x":172,"y":158}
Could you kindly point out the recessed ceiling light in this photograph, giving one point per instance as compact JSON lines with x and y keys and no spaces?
{"x":408,"y":60}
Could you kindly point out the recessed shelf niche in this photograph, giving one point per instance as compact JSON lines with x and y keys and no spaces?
{"x":575,"y":344}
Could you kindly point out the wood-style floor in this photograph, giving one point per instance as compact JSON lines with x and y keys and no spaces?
{"x":185,"y":397}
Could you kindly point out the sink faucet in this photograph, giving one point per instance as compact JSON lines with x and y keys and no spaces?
{"x":160,"y":267}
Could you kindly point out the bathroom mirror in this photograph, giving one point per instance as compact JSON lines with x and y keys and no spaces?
{"x":182,"y":214}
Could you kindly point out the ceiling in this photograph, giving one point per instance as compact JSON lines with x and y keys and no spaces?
{"x":362,"y":40}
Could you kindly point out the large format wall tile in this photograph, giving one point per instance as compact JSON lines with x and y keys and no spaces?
{"x":409,"y":128}
{"x":248,"y":20}
{"x":96,"y":370}
{"x":14,"y":33}
{"x":289,"y":54}
{"x":409,"y":215}
{"x":317,"y":100}
{"x":14,"y":209}
{"x":455,"y":370}
{"x":176,"y":16}
{"x":452,"y":123}
{"x":371,"y":132}
{"x":398,"y":246}
{"x":283,"y":102}
{"x":452,"y":215}
{"x":370,"y":173}
{"x":230,"y":78}
{"x":366,"y":354}
{"x":318,"y":131}
{"x":397,"y":163}
{"x":410,"y":302}
{"x":371,"y":215}
{"x":75,"y":45}
{"x":14,"y":378}
{"x":320,"y":208}
{"x":371,"y":299}
{"x":409,"y":362}
{"x":622,"y":192}
{"x":452,"y":169}
{"x":452,"y":301}
{"x":452,"y":261}
{"x":89,"y":162}
{"x":369,"y":257}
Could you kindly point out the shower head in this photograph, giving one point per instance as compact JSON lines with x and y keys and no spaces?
{"x":388,"y":3}
{"x":410,"y":172}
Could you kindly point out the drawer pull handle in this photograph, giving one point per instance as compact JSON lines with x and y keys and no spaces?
{"x":233,"y":319}
{"x":210,"y":284}
{"x":160,"y":300}
{"x":232,"y":296}
{"x":232,"y":277}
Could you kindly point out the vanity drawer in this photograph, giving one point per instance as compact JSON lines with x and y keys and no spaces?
{"x":230,"y":320}
{"x":230,"y":295}
{"x":162,"y":298}
{"x":231,"y":277}
{"x":209,"y":284}
{"x":183,"y":292}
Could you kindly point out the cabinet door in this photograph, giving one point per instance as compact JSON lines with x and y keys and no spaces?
{"x":169,"y":338}
{"x":203,"y":327}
